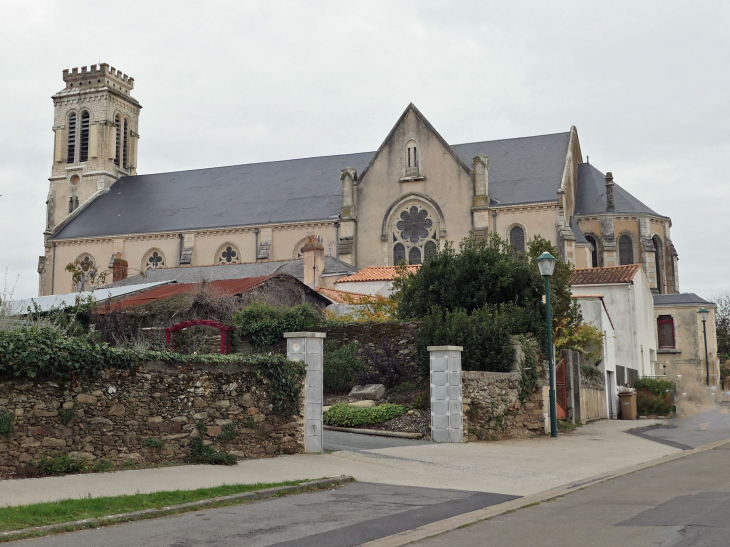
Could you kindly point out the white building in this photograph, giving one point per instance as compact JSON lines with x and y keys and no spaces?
{"x":628,"y":299}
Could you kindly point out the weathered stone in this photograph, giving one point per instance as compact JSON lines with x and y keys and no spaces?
{"x":97,"y":393}
{"x":45,"y":413}
{"x":213,"y":430}
{"x":68,"y":405}
{"x":258,"y":418}
{"x":251,"y":411}
{"x":367,"y":403}
{"x":199,"y":403}
{"x":221,"y":404}
{"x":117,"y":410}
{"x":372,"y":392}
{"x":86,"y":399}
{"x":180,"y":419}
{"x":175,"y":436}
{"x":246,"y":400}
{"x":52,"y":442}
{"x":155,"y":420}
{"x":101,"y":420}
{"x":38,"y":430}
{"x":200,"y":416}
{"x":29,"y":442}
{"x":85,"y":455}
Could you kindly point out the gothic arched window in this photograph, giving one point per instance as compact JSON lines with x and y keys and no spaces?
{"x":412,"y":224}
{"x":228,"y":254}
{"x":118,"y":129}
{"x":625,"y":250}
{"x":84,"y":148}
{"x":154,"y":258}
{"x":517,"y":239}
{"x":658,"y":261}
{"x":84,"y":264}
{"x":71,"y":150}
{"x":594,"y":252}
{"x":412,"y":159}
{"x":125,"y":148}
{"x":399,"y":253}
{"x":414,"y":256}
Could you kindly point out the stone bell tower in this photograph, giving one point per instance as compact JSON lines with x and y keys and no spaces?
{"x":95,"y":122}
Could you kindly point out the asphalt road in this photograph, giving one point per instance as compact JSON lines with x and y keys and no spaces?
{"x":682,"y":503}
{"x":351,"y":515}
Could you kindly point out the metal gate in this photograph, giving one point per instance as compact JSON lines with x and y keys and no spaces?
{"x":561,"y":393}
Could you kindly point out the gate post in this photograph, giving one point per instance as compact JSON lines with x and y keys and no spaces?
{"x":309,"y":347}
{"x":447,"y":414}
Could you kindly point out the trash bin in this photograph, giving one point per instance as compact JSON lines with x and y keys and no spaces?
{"x":627,"y":403}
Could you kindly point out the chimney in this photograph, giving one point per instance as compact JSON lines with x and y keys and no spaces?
{"x":313,"y":252}
{"x":610,"y":205}
{"x":119,"y":268}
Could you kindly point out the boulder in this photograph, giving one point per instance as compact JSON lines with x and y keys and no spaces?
{"x":372,"y":392}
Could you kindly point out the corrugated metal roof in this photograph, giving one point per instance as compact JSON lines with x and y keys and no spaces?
{"x":227,"y":286}
{"x":219,"y":272}
{"x":604,"y":276}
{"x":45,"y":303}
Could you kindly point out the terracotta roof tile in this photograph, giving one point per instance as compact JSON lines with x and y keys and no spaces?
{"x":376,"y":273}
{"x":339,"y":296}
{"x":604,"y":276}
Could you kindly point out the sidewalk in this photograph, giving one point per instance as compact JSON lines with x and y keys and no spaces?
{"x":508,"y":467}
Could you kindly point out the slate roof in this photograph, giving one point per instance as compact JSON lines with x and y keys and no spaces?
{"x":376,"y":273}
{"x":590,"y":195}
{"x":523,"y":170}
{"x":679,"y":299}
{"x":219,"y":272}
{"x":579,"y":236}
{"x":604,"y":276}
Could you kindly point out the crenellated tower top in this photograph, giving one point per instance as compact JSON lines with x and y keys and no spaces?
{"x":101,"y":75}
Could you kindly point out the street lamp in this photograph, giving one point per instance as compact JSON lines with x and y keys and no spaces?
{"x":704,"y":314}
{"x":546,"y":264}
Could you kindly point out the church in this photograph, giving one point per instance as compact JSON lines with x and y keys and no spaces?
{"x":406,"y":199}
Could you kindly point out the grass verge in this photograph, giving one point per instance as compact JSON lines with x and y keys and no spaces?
{"x":68,"y":510}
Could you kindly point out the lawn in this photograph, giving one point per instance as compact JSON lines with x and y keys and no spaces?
{"x":41,"y":514}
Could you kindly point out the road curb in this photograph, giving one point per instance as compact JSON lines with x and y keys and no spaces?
{"x":148,"y":513}
{"x":467,"y":519}
{"x":374,"y":432}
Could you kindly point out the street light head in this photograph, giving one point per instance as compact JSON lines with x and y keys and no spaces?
{"x":704,"y":314}
{"x":546,"y":263}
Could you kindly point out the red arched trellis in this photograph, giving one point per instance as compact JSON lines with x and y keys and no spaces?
{"x":225,"y":338}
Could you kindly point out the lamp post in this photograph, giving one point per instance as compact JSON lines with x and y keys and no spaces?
{"x":546,"y":264}
{"x":704,"y":313}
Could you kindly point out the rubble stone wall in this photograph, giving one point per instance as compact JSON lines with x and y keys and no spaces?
{"x":110,"y":416}
{"x":493,"y":410}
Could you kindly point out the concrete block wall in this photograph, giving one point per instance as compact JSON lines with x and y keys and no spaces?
{"x":309,"y":347}
{"x":447,"y":417}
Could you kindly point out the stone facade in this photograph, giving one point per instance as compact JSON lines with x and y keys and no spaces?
{"x":112,"y":415}
{"x":493,"y":410}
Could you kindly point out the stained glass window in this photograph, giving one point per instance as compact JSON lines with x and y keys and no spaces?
{"x":414,"y":224}
{"x":414,"y":256}
{"x":517,"y":239}
{"x":429,"y":249}
{"x":399,"y":253}
{"x":625,"y":250}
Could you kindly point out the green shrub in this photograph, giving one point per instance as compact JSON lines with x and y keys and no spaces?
{"x":228,"y":433}
{"x":529,"y":371}
{"x":66,"y":415}
{"x":485,"y":335}
{"x":339,"y":367}
{"x":344,"y":415}
{"x":6,"y":423}
{"x":422,"y":401}
{"x":263,"y":324}
{"x":151,"y":442}
{"x":403,"y":388}
{"x":654,"y":386}
{"x":102,"y":466}
{"x":63,"y":464}
{"x":590,"y":372}
{"x":653,"y":396}
{"x":200,"y":453}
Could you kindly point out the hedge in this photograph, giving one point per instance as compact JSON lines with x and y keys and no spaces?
{"x":344,"y":415}
{"x":264,"y":325}
{"x":46,"y":353}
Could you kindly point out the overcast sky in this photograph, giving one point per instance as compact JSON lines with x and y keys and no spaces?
{"x":222,"y":83}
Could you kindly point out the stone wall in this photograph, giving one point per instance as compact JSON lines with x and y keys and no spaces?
{"x":493,"y":410}
{"x":111,"y":416}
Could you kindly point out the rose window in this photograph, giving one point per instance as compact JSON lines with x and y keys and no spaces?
{"x":414,"y":224}
{"x":414,"y":235}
